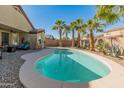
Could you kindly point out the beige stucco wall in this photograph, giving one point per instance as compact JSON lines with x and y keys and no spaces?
{"x":119,"y":40}
{"x":34,"y":40}
{"x":23,"y":35}
{"x":114,"y":33}
{"x":14,"y":38}
{"x":41,"y":36}
{"x":11,"y":17}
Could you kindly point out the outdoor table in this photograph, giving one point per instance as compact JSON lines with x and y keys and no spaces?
{"x":11,"y":49}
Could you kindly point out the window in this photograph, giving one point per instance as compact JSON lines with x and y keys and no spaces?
{"x":15,"y":38}
{"x":5,"y":38}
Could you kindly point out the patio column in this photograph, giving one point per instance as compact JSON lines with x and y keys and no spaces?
{"x":10,"y":38}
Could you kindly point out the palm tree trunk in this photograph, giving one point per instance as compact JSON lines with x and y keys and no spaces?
{"x":66,"y":35}
{"x":91,"y":40}
{"x":60,"y":40}
{"x":78,"y":39}
{"x":73,"y":41}
{"x":81,"y":43}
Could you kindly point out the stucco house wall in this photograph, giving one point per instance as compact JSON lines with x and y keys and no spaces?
{"x":114,"y":36}
{"x":13,"y":17}
{"x":32,"y":40}
{"x":117,"y":38}
{"x":36,"y":39}
{"x":14,"y":21}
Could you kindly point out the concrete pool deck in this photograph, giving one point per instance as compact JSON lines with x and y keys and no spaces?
{"x":32,"y":79}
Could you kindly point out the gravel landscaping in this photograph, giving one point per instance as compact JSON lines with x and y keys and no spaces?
{"x":9,"y":69}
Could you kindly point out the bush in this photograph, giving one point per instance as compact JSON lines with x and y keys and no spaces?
{"x":115,"y":51}
{"x":102,"y":47}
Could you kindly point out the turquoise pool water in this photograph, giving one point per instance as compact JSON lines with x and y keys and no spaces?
{"x":71,"y":66}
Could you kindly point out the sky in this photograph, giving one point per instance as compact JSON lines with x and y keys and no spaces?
{"x":44,"y":16}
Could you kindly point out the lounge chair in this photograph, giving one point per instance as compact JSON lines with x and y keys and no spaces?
{"x":24,"y":46}
{"x":21,"y":46}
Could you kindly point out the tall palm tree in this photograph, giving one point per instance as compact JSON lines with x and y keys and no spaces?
{"x":66,"y":31}
{"x":73,"y":28}
{"x":59,"y":25}
{"x":109,"y":13}
{"x":83,"y":30}
{"x":120,"y":10}
{"x":79,"y":23}
{"x":94,"y":25}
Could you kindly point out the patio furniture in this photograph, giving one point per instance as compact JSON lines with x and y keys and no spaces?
{"x":11,"y":49}
{"x":24,"y":46}
{"x":21,"y":46}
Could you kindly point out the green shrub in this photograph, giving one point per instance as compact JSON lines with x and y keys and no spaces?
{"x":102,"y":47}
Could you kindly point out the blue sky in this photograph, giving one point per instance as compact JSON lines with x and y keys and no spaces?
{"x":44,"y":16}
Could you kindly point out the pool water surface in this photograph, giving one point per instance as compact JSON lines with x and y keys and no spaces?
{"x":71,"y":66}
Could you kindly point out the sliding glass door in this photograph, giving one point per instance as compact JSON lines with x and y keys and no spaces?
{"x":5,"y":38}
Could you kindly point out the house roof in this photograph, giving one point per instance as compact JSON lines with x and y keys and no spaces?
{"x":111,"y":30}
{"x":99,"y":36}
{"x":25,"y":16}
{"x":115,"y":36}
{"x":35,"y":31}
{"x":115,"y":29}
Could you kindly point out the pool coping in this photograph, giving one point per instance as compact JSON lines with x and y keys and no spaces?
{"x":32,"y":79}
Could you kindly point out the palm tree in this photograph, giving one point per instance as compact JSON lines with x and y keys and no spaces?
{"x":120,"y":9}
{"x":109,"y":13}
{"x":94,"y":25}
{"x":59,"y":25}
{"x":73,"y":28}
{"x":66,"y":31}
{"x":79,"y":23}
{"x":83,"y":30}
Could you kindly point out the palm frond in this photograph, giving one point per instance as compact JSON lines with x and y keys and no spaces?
{"x":99,"y":30}
{"x":55,"y":28}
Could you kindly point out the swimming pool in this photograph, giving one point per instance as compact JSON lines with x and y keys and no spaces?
{"x":71,"y":66}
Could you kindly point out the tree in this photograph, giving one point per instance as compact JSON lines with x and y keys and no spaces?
{"x":66,"y":31}
{"x":83,"y":30}
{"x":94,"y":25}
{"x":73,"y":28}
{"x":109,"y":13}
{"x":79,"y":23}
{"x":59,"y":25}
